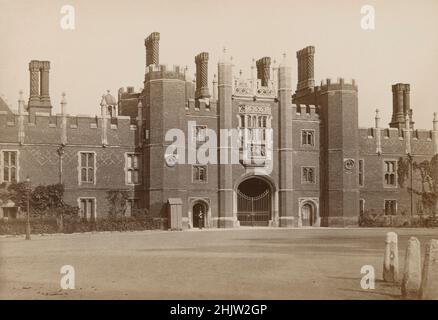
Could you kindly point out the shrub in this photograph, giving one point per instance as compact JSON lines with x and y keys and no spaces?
{"x":73,"y":223}
{"x":373,"y":219}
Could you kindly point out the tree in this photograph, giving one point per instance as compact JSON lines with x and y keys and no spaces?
{"x":17,"y":193}
{"x":44,"y":200}
{"x":428,"y":171}
{"x":118,"y":200}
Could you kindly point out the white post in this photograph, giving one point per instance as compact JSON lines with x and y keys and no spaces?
{"x":20,"y":118}
{"x":390,"y":262}
{"x":378,"y":134}
{"x":64,"y":119}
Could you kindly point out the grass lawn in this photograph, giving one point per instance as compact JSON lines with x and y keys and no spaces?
{"x":260,"y":263}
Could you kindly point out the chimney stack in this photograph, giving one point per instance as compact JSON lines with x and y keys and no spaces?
{"x":264,"y":70}
{"x":306,"y":77}
{"x":401,"y":106}
{"x":435,"y":133}
{"x":152,"y":44}
{"x":201,"y":61}
{"x":39,"y":99}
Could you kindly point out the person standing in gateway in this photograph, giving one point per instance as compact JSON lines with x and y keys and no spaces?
{"x":201,"y":219}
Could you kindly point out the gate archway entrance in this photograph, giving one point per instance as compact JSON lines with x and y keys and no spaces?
{"x":308,"y":215}
{"x":254,"y":202}
{"x":199,"y":214}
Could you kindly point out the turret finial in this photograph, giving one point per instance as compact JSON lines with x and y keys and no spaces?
{"x":377,"y":119}
{"x":435,"y":121}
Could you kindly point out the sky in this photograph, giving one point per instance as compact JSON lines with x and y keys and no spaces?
{"x":106,"y":50}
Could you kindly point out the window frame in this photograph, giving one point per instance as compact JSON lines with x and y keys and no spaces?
{"x":313,"y":137}
{"x":384,"y":207}
{"x":80,"y":182}
{"x":384,"y":172}
{"x":302,"y":175}
{"x":94,"y":202}
{"x":17,"y":165}
{"x":195,"y":135}
{"x":127,"y":169}
{"x":193,"y":173}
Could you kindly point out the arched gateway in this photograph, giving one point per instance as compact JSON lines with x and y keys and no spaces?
{"x":254,"y":202}
{"x":200,"y":208}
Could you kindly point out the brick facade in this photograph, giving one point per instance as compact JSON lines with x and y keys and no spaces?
{"x":317,"y":145}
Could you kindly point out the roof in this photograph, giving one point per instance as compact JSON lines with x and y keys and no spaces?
{"x":4,"y":106}
{"x":108,"y":99}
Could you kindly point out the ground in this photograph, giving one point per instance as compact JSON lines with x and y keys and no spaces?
{"x":261,"y":263}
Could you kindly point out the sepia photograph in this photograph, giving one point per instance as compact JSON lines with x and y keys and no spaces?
{"x":221,"y":150}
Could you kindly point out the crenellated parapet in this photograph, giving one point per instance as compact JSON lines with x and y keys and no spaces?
{"x":201,"y":107}
{"x":66,"y":129}
{"x":304,"y":112}
{"x":339,"y":85}
{"x":162,"y":71}
{"x":394,"y":141}
{"x":128,"y":101}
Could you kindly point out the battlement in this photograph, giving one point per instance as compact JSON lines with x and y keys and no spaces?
{"x":163,"y":71}
{"x":330,"y":85}
{"x":396,"y":134}
{"x":305,"y":112}
{"x":201,"y":106}
{"x":128,"y":90}
{"x":43,"y":120}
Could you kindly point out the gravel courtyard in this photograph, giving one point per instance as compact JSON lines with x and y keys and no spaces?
{"x":259,"y":263}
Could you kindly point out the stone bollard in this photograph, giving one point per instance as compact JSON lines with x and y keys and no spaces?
{"x":412,"y":272}
{"x":429,"y":281}
{"x":390,"y":262}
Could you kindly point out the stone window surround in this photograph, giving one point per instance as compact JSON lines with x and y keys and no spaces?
{"x":313,"y":138}
{"x":385,"y":185}
{"x":194,"y":134}
{"x":384,"y":206}
{"x":254,"y":121}
{"x":17,"y":172}
{"x":80,"y":182}
{"x":193,"y":173}
{"x":139,"y":166}
{"x":95,"y":206}
{"x":314,"y":175}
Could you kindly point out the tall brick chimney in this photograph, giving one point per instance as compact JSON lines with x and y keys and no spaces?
{"x":39,"y":98}
{"x":306,"y":77}
{"x":401,"y":106}
{"x":152,"y":44}
{"x":264,"y":70}
{"x":201,"y":61}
